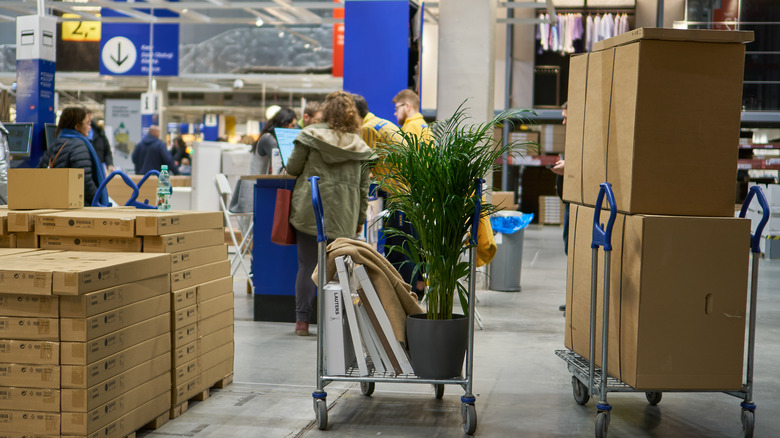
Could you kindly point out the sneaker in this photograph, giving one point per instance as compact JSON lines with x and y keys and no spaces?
{"x":562,"y":307}
{"x":302,"y":328}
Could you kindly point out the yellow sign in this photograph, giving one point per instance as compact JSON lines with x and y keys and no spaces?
{"x":80,"y":30}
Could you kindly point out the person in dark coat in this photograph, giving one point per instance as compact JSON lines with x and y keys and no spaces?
{"x":150,"y":154}
{"x":179,"y":151}
{"x":73,"y":150}
{"x":101,"y":145}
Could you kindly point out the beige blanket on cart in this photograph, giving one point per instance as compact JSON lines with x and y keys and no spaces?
{"x":397,"y":297}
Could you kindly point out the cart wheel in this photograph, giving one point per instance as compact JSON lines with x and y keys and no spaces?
{"x":367,"y":388}
{"x":654,"y":397}
{"x":748,"y":422}
{"x":580,"y":391}
{"x":602,"y":423}
{"x":321,"y":411}
{"x":469,"y":413}
{"x":438,"y":389}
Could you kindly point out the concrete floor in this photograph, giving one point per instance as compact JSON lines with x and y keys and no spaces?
{"x":522,"y":388}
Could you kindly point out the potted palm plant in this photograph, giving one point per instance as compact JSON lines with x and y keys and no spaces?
{"x":432,"y":181}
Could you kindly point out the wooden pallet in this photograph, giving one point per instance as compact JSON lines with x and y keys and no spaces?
{"x":181,"y":408}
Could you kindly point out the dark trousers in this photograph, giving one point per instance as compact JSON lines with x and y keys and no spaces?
{"x":401,"y":262}
{"x":305,"y":287}
{"x":566,"y":228}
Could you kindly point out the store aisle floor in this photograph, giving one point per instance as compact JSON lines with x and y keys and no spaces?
{"x":522,"y":388}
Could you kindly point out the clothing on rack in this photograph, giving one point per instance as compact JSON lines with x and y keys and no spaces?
{"x":568,"y":34}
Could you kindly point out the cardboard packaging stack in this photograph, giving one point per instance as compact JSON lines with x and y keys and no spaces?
{"x":679,"y":261}
{"x":17,"y":227}
{"x":551,"y":210}
{"x":85,"y":342}
{"x":201,"y":287}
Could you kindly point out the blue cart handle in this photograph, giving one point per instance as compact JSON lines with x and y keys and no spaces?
{"x":602,"y":237}
{"x":133,"y":199}
{"x":756,"y":238}
{"x":130,"y":202}
{"x":316,"y":202}
{"x":477,"y":211}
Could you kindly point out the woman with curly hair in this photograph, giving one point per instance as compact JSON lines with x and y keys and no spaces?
{"x":334,"y":151}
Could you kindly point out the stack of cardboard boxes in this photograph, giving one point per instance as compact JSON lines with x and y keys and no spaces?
{"x":201,"y":287}
{"x":655,"y":112}
{"x":85,"y":342}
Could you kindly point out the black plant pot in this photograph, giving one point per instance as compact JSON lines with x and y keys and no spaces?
{"x":437,"y":347}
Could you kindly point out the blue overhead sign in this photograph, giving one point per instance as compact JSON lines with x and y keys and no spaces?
{"x":125,"y":49}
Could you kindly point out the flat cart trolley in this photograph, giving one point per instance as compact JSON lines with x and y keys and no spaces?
{"x":589,"y":380}
{"x":367,"y":383}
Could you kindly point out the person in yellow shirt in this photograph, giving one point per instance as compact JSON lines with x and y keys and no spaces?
{"x":374,"y":130}
{"x":407,"y":111}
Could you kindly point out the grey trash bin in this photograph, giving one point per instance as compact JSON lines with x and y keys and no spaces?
{"x":505,"y":267}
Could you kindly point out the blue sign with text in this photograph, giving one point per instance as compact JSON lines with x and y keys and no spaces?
{"x":125,"y":48}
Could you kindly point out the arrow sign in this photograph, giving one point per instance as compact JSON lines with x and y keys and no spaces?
{"x":112,"y":55}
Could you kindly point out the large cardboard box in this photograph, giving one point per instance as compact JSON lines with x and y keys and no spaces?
{"x":27,"y":240}
{"x":31,"y":422}
{"x":678,"y":292}
{"x":84,"y":423}
{"x":129,"y":423}
{"x":39,"y":399}
{"x":85,"y":329}
{"x":20,"y":327}
{"x":100,"y":270}
{"x":157,"y":223}
{"x":199,"y":274}
{"x":185,"y":353}
{"x":103,"y":244}
{"x":30,"y":376}
{"x":88,"y":222}
{"x":83,"y":353}
{"x":197,"y":257}
{"x":22,"y":221}
{"x":184,"y":335}
{"x":639,"y":117}
{"x":214,"y":306}
{"x":85,"y":376}
{"x":504,"y":200}
{"x":29,"y":305}
{"x":213,"y":375}
{"x":211,"y":341}
{"x":186,"y":390}
{"x":184,"y":298}
{"x":64,"y":188}
{"x":177,"y":242}
{"x":186,"y":372}
{"x":215,"y":288}
{"x":214,"y":323}
{"x":184,"y":317}
{"x":214,"y":357}
{"x":84,"y":400}
{"x":30,"y":352}
{"x":89,"y":304}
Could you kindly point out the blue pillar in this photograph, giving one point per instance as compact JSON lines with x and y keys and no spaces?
{"x":376,"y":52}
{"x":36,"y":50}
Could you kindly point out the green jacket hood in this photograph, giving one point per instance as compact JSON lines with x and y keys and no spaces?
{"x":334,"y":146}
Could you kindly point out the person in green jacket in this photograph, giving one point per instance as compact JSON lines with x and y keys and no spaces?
{"x":335,"y":152}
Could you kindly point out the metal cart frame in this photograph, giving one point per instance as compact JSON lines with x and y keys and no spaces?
{"x":588,"y":379}
{"x":367,"y":383}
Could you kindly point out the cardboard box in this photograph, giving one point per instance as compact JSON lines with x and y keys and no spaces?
{"x":83,"y":353}
{"x":85,"y":329}
{"x":214,"y":323}
{"x":662,"y":34}
{"x":185,"y":335}
{"x":84,"y":400}
{"x":27,"y":240}
{"x":100,"y":301}
{"x":64,"y":188}
{"x":29,"y":305}
{"x":200,"y":274}
{"x":84,"y":423}
{"x":22,"y":221}
{"x":100,"y":270}
{"x":85,"y":376}
{"x":87,"y":223}
{"x":30,"y":376}
{"x":4,"y":221}
{"x":552,"y":139}
{"x":210,"y":359}
{"x":185,"y":353}
{"x":157,"y":223}
{"x":184,"y":298}
{"x":29,"y":352}
{"x":214,"y":340}
{"x":215,"y":288}
{"x":30,"y":422}
{"x":185,"y":372}
{"x":8,"y":241}
{"x":39,"y":399}
{"x":20,"y":327}
{"x":23,"y":272}
{"x":129,"y":423}
{"x":103,"y":244}
{"x":177,"y":242}
{"x":678,"y":292}
{"x":504,"y":200}
{"x":640,"y":115}
{"x":214,"y":306}
{"x":213,"y":375}
{"x":186,"y":390}
{"x":551,"y":210}
{"x":197,"y":257}
{"x":184,"y":317}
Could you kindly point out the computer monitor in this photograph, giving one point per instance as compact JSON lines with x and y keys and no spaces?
{"x":285,"y":138}
{"x":19,"y":138}
{"x":51,"y":134}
